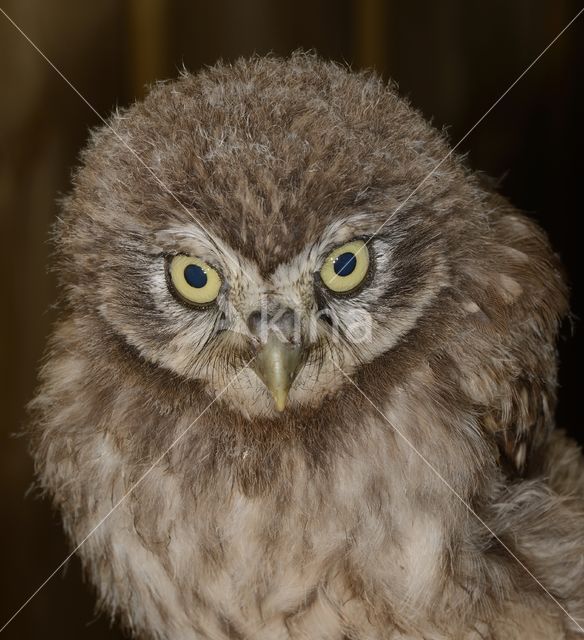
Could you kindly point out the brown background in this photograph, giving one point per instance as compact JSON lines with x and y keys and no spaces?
{"x":452,"y":58}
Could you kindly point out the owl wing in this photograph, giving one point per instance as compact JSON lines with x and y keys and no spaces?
{"x":520,"y":422}
{"x":520,"y":290}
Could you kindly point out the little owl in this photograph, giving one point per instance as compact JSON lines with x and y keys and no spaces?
{"x":304,"y":377}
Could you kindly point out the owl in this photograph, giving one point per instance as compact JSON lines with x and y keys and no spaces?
{"x":303,"y":381}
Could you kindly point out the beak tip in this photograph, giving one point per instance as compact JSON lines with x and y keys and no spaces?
{"x":280,"y":401}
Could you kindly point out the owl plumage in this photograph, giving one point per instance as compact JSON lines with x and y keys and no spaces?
{"x":340,"y":510}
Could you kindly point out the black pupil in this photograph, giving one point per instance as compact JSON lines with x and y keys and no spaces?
{"x":195,"y":276}
{"x":345,"y":264}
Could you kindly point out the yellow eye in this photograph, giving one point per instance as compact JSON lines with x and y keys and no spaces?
{"x":194,"y":280}
{"x":346,"y":267}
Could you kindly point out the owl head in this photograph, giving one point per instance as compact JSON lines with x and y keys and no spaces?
{"x":263,"y":234}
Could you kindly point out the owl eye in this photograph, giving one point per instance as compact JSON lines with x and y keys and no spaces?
{"x":194,"y":280}
{"x":346,"y":267}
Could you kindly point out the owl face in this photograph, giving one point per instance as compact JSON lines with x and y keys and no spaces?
{"x":239,"y":218}
{"x":198,"y":308}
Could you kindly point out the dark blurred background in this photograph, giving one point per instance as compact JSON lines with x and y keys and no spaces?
{"x":452,"y":58}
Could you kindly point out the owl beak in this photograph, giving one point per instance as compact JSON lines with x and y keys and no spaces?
{"x":277,"y":365}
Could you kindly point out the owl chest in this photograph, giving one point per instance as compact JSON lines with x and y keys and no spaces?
{"x":273,"y":570}
{"x":317,"y":552}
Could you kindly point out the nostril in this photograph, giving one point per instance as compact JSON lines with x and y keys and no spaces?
{"x":254,"y":322}
{"x":284,"y":322}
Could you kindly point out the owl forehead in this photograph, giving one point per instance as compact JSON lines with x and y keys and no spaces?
{"x":289,"y":268}
{"x":271,"y":206}
{"x":271,"y":213}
